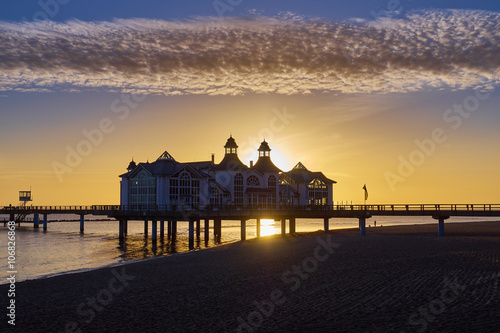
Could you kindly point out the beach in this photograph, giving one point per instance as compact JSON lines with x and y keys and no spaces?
{"x":394,"y":279}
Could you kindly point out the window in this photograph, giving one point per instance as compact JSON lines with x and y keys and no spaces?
{"x":318,"y":192}
{"x":238,"y":189}
{"x":271,"y":185}
{"x":253,"y":181}
{"x":215,"y":197}
{"x":143,"y":190}
{"x":185,"y":190}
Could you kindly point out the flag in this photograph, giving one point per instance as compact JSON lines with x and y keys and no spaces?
{"x":366,"y":192}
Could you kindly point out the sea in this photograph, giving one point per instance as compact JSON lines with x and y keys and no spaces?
{"x":63,"y":250}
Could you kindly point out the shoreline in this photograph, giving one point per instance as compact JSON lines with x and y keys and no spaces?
{"x":373,"y":283}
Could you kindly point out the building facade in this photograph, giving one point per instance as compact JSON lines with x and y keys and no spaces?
{"x":167,"y":182}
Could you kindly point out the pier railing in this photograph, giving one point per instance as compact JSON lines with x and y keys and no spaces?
{"x":379,"y":208}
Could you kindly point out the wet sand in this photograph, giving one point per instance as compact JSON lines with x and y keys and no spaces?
{"x":398,"y":278}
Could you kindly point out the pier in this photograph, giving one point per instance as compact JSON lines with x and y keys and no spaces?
{"x":172,"y":215}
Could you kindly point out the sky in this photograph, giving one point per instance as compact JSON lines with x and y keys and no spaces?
{"x":400,"y":95}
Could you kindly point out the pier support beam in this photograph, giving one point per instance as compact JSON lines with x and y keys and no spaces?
{"x":36,"y":221}
{"x":326,"y":223}
{"x":153,"y":230}
{"x":283,"y":227}
{"x":121,"y":229}
{"x":243,"y":229}
{"x":258,"y":228}
{"x":191,"y":234}
{"x":198,"y":230}
{"x":82,"y":223}
{"x":362,"y":226}
{"x":45,"y":222}
{"x":145,"y":228}
{"x":441,"y":224}
{"x":162,"y":231}
{"x":217,"y":230}
{"x":207,"y":229}
{"x":169,"y":229}
{"x":292,"y":226}
{"x":174,"y":229}
{"x":12,"y":217}
{"x":125,"y":227}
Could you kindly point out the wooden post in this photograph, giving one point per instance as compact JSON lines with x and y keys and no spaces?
{"x":217,"y":230}
{"x":125,"y":227}
{"x":258,"y":227}
{"x":243,"y":229}
{"x":36,"y":221}
{"x":191,"y":234}
{"x":145,"y":228}
{"x":82,"y":223}
{"x":292,"y":226}
{"x":12,"y":217}
{"x":162,"y":231}
{"x":326,"y":223}
{"x":441,"y":227}
{"x":169,"y":229}
{"x":198,"y":230}
{"x":153,"y":230}
{"x":44,"y":222}
{"x":174,"y":229}
{"x":121,"y":225}
{"x":207,"y":229}
{"x":283,"y":227}
{"x":362,"y":226}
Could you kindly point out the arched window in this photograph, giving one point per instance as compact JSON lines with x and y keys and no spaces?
{"x":253,"y":181}
{"x":238,"y":189}
{"x":215,"y":197}
{"x":185,"y":190}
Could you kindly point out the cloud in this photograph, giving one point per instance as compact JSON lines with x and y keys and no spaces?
{"x":452,"y":49}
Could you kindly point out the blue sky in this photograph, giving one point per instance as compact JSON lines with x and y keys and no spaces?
{"x":93,"y":10}
{"x":359,"y":86}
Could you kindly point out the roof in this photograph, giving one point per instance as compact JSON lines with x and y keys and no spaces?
{"x":264,"y":164}
{"x":231,"y":162}
{"x":168,"y":167}
{"x":231,"y":143}
{"x":300,"y":174}
{"x":264,"y":146}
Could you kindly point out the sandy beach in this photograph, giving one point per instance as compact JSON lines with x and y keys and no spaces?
{"x":395,"y":279}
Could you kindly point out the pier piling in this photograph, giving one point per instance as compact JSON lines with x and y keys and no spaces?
{"x":169,"y":229}
{"x":326,"y":223}
{"x":207,"y":229}
{"x":44,"y":222}
{"x":121,"y":225}
{"x":441,"y":224}
{"x":283,"y":227}
{"x":12,"y":217}
{"x":198,"y":230}
{"x":362,"y":226}
{"x":292,"y":226}
{"x":243,"y":229}
{"x":258,"y":228}
{"x":191,"y":234}
{"x":153,"y":230}
{"x":145,"y":228}
{"x":174,"y":229}
{"x":82,"y":223}
{"x":36,"y":221}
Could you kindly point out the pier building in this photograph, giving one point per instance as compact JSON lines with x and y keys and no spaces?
{"x":167,"y":182}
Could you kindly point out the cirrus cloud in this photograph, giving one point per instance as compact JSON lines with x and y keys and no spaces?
{"x":452,"y":49}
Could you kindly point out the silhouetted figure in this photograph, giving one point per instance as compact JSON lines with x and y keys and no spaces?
{"x":374,"y":223}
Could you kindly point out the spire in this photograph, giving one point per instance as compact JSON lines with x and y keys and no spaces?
{"x":131,"y":165}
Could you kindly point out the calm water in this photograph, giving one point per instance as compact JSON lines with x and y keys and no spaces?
{"x":63,"y":249}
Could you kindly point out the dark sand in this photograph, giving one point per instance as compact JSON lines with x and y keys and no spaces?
{"x":402,"y":278}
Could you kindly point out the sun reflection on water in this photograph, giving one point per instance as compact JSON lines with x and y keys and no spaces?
{"x":267,"y":227}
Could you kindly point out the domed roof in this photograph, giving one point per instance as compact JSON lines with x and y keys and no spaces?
{"x":131,"y":165}
{"x":231,"y":143}
{"x":264,"y":146}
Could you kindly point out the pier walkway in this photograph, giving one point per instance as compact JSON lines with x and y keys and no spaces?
{"x":193,"y":215}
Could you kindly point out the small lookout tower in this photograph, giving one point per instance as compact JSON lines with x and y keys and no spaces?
{"x":264,"y":150}
{"x":24,"y":197}
{"x":231,"y":146}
